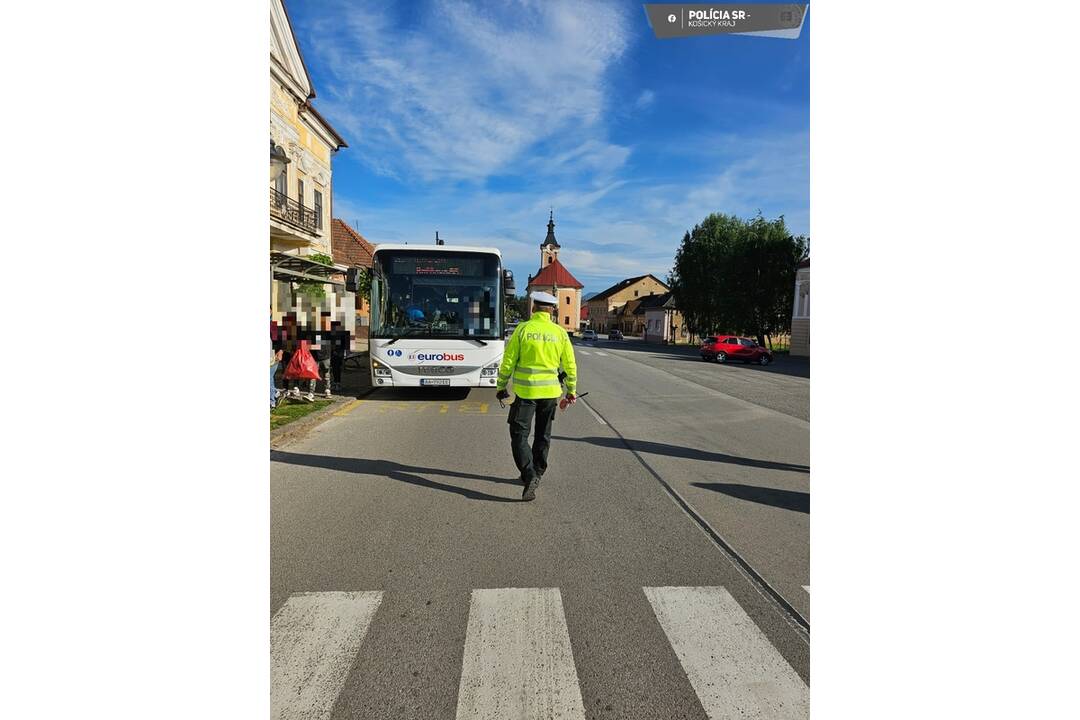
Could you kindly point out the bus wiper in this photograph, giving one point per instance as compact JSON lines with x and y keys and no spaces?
{"x":404,"y":334}
{"x":478,"y":340}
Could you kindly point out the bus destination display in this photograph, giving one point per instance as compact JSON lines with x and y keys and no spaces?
{"x":452,"y":266}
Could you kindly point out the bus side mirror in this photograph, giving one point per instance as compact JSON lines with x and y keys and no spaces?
{"x":353,"y":277}
{"x":508,"y":282}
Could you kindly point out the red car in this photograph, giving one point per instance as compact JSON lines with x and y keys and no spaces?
{"x":721,"y":348}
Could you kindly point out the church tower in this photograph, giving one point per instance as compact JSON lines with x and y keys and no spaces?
{"x":549,"y":249}
{"x":554,"y":278}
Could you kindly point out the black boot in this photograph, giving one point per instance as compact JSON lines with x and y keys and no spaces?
{"x":530,"y":490}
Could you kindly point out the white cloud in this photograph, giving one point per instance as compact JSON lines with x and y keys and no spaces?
{"x":641,"y":221}
{"x":470,"y":88}
{"x":645,"y":99}
{"x":519,"y":93}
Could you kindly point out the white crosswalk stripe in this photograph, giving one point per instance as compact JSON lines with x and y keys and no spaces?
{"x":517,"y":661}
{"x":733,"y":668}
{"x":601,"y":352}
{"x":314,"y":639}
{"x":583,"y":352}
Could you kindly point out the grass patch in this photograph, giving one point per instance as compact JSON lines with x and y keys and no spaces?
{"x":290,"y":410}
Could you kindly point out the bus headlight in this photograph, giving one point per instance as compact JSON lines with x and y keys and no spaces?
{"x":380,"y":369}
{"x":491,"y":370}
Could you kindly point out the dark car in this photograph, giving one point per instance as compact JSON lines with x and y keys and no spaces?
{"x":721,"y":348}
{"x":615,"y":335}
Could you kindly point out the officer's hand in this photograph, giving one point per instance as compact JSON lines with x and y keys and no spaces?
{"x":502,"y":395}
{"x":571,"y":398}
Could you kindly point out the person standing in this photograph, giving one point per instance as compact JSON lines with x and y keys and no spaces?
{"x":339,"y":337}
{"x":275,"y":359}
{"x":534,"y":354}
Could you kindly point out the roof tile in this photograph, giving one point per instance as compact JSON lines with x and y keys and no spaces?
{"x":555,"y":273}
{"x":348,"y":246}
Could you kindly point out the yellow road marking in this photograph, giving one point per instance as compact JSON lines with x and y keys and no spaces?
{"x":348,"y":408}
{"x":464,"y":408}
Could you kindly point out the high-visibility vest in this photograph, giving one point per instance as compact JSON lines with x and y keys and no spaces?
{"x":534,"y":354}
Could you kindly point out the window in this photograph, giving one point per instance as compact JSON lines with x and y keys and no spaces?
{"x":318,"y":209}
{"x":567,"y":299}
{"x":281,"y":184}
{"x":300,"y":190}
{"x":566,"y":320}
{"x":747,"y":343}
{"x":731,"y":341}
{"x":635,"y":293}
{"x":549,"y":259}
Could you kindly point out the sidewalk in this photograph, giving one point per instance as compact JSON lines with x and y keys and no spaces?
{"x":355,"y":384}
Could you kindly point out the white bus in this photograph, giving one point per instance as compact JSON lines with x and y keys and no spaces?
{"x":437,"y":315}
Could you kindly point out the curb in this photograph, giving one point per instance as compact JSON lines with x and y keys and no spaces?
{"x":299,"y":428}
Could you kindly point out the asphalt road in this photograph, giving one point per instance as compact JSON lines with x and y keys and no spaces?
{"x":408,"y":580}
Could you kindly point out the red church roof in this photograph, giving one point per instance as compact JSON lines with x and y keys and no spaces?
{"x":555,"y":274}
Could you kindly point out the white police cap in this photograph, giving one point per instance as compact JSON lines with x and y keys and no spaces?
{"x":543,"y":298}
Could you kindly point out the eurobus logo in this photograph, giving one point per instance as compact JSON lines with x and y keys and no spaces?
{"x":427,"y":356}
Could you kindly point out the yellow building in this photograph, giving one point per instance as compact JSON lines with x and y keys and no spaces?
{"x":554,"y":278}
{"x":614,"y":307}
{"x":301,"y":193}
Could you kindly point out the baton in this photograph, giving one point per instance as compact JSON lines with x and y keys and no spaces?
{"x":564,"y":403}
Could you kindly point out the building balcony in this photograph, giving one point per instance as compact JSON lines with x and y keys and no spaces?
{"x":293,"y":214}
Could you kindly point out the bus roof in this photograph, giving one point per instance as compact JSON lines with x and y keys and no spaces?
{"x":438,"y":248}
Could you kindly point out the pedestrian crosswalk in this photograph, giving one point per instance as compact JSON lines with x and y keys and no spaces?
{"x":518,"y":658}
{"x":314,"y":639}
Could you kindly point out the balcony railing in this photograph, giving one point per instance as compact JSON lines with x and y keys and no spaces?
{"x":290,"y":211}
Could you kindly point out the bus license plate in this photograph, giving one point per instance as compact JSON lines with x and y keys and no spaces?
{"x":434,"y":381}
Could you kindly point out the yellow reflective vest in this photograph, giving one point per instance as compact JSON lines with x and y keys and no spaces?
{"x":533,"y":356}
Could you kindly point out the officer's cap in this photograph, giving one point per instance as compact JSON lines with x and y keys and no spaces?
{"x":543,"y":298}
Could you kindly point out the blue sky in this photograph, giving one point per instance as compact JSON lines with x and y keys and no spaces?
{"x":474,"y":118}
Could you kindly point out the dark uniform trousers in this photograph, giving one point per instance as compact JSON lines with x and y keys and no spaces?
{"x":531,"y":462}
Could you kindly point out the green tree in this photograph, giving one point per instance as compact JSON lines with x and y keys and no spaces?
{"x":738,"y":276}
{"x":315,"y":291}
{"x":514,"y":308}
{"x":363,"y":284}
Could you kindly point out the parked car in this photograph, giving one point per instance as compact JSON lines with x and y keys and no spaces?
{"x":588,"y":335}
{"x":615,"y":335}
{"x":721,"y":348}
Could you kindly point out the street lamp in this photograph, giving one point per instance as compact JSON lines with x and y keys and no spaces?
{"x":278,"y":160}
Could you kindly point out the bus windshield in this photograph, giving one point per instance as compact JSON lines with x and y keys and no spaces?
{"x":424,"y":294}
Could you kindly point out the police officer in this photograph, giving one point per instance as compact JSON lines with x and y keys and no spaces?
{"x":533,"y":357}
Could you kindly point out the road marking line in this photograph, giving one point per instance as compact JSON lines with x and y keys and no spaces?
{"x":806,"y":588}
{"x":600,"y":352}
{"x":595,"y":414}
{"x":348,"y":408}
{"x":734,"y":669}
{"x":314,"y":639}
{"x":517,"y":661}
{"x":583,"y":352}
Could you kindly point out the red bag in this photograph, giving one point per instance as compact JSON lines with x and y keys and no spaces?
{"x":302,"y":365}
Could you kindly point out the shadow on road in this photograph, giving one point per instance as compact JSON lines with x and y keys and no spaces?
{"x":418,"y":394}
{"x":656,"y":448}
{"x":410,"y":474}
{"x":785,"y":499}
